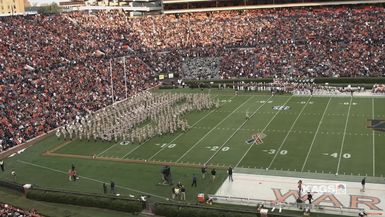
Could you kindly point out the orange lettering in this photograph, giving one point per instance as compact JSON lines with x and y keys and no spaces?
{"x":328,"y":198}
{"x":370,"y":202}
{"x":282,"y":198}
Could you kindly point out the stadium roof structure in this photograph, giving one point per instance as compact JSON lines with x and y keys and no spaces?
{"x":191,"y":6}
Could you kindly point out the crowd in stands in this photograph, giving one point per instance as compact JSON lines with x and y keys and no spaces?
{"x":7,"y":210}
{"x":260,"y":43}
{"x":54,"y":68}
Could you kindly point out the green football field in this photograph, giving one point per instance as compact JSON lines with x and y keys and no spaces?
{"x":301,"y":133}
{"x":317,"y":134}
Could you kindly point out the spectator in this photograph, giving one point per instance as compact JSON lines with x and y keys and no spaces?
{"x":194,"y":181}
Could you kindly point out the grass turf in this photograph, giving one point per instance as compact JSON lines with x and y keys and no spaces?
{"x":317,"y":134}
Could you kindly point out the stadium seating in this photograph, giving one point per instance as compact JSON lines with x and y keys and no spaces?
{"x":9,"y":210}
{"x":54,"y":68}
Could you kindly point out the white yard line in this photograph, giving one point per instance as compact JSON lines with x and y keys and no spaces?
{"x":180,"y":135}
{"x":374,"y":143}
{"x":315,"y":135}
{"x":267,"y":125}
{"x":232,"y":135}
{"x":288,"y":133}
{"x":88,"y":178}
{"x":107,"y":149}
{"x":208,"y":133}
{"x":343,"y":137}
{"x":134,"y":149}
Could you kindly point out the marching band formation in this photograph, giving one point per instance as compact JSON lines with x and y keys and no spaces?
{"x":139,"y":118}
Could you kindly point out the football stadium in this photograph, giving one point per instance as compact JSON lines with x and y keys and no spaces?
{"x":185,"y":108}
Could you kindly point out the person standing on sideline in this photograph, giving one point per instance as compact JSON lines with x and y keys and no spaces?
{"x":183,"y":193}
{"x":309,"y":197}
{"x":213,"y":173}
{"x":204,"y":171}
{"x":230,"y":173}
{"x":74,"y":176}
{"x":70,"y":174}
{"x":104,"y":188}
{"x":299,"y":187}
{"x":2,"y":165}
{"x":363,"y":182}
{"x":194,"y":181}
{"x":112,"y":185}
{"x":173,"y":195}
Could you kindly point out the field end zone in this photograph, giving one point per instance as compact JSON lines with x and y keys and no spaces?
{"x":276,"y":191}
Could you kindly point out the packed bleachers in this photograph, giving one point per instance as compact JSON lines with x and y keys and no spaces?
{"x":9,"y":210}
{"x":54,"y":68}
{"x":305,"y":41}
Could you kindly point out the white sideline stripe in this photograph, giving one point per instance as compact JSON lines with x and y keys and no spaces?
{"x":232,"y":135}
{"x":275,"y":115}
{"x":204,"y":136}
{"x":107,"y":149}
{"x":374,"y":144}
{"x":315,"y":135}
{"x":88,"y":178}
{"x":343,"y":137}
{"x":288,"y":132}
